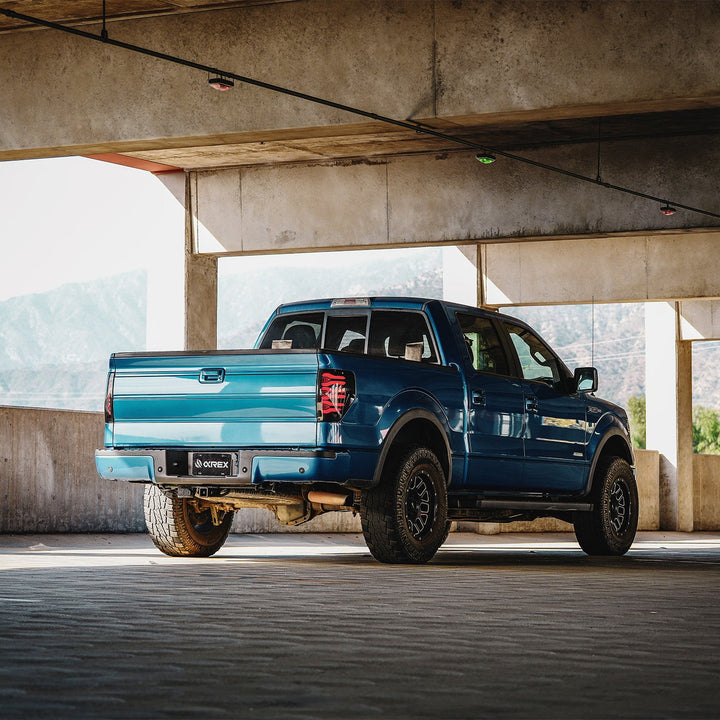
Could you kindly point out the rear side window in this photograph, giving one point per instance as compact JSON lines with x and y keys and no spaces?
{"x":483,"y":344}
{"x":301,"y":330}
{"x":398,"y":334}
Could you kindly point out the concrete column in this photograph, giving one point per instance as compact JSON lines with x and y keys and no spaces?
{"x":669,"y":412}
{"x":165,"y":287}
{"x":460,"y":274}
{"x":200,"y":287}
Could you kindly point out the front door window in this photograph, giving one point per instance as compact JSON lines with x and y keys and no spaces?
{"x":555,"y":423}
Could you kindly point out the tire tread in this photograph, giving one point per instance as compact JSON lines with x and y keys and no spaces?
{"x":378,"y":512}
{"x":165,"y":521}
{"x":589,"y":526}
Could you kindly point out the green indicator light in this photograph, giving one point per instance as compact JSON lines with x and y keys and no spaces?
{"x":485,"y":158}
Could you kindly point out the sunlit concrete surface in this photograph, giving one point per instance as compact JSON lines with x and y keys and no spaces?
{"x":310,"y":626}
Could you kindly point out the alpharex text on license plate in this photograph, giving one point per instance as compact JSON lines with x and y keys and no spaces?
{"x":215,"y":464}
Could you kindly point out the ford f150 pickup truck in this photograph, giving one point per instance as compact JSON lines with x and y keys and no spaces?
{"x":410,"y":412}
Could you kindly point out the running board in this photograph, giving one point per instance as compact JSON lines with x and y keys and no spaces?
{"x":539,"y":505}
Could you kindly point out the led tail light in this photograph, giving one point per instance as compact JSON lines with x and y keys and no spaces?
{"x":109,"y":398}
{"x":336,"y":389}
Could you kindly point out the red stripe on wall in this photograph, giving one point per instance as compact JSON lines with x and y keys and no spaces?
{"x":128,"y":161}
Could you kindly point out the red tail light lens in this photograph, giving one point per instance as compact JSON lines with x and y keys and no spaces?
{"x":109,"y":398}
{"x":336,"y":389}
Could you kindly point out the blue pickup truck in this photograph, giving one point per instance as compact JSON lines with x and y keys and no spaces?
{"x":410,"y":412}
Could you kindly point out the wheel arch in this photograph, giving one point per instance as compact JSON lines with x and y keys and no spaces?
{"x":613,"y":444}
{"x":416,"y":427}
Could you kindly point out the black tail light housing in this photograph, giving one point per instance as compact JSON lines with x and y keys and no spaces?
{"x":336,"y":390}
{"x":109,"y":416}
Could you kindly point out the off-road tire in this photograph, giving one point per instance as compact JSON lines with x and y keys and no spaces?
{"x":609,"y":529}
{"x":404,"y":519}
{"x":178,"y":529}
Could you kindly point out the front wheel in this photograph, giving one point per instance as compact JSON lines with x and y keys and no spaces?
{"x":609,"y":528}
{"x":404,"y":519}
{"x":182,"y":527}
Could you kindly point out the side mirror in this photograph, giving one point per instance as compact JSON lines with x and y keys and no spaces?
{"x":586,"y":379}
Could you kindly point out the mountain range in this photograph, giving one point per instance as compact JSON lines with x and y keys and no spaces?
{"x":54,"y":346}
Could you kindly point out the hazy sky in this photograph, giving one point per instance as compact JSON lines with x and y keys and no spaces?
{"x":73,"y":219}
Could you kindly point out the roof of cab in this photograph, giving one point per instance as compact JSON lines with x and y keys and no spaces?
{"x":357,"y":303}
{"x":387,"y":302}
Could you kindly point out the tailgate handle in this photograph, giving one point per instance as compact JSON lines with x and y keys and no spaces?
{"x":212,"y":375}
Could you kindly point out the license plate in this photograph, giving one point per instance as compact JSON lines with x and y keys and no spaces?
{"x":213,"y":464}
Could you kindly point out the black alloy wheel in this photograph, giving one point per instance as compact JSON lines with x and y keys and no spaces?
{"x":609,"y":528}
{"x":404,"y":519}
{"x":420,"y":504}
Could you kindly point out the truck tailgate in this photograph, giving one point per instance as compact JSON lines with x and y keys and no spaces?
{"x":250,"y":398}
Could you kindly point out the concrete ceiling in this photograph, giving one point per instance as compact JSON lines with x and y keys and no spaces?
{"x":518,"y":131}
{"x":370,"y":140}
{"x":83,"y":12}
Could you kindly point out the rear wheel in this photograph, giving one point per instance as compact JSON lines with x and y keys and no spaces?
{"x":609,"y":529}
{"x":182,"y":527}
{"x":404,"y":519}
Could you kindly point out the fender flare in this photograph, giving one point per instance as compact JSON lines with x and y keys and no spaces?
{"x":396,"y":428}
{"x":612,"y":431}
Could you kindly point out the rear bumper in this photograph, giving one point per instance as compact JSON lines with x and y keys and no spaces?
{"x":249,"y":467}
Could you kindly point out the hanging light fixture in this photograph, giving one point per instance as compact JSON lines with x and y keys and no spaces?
{"x":485,"y":158}
{"x":221,"y":83}
{"x":667,"y":209}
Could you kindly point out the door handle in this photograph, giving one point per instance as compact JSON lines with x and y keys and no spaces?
{"x":212,"y":375}
{"x":478,"y":397}
{"x":531,"y":404}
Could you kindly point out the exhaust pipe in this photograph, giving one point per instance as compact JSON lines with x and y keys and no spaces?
{"x":328,"y":498}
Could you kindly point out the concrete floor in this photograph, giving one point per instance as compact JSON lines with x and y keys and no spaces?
{"x":310,"y":626}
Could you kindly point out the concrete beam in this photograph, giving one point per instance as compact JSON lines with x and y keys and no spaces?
{"x":452,"y":199}
{"x":531,"y":54}
{"x":700,"y":320}
{"x":99,"y":96}
{"x":624,"y":268}
{"x":465,"y":63}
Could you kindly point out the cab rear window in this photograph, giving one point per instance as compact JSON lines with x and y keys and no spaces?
{"x":395,"y":334}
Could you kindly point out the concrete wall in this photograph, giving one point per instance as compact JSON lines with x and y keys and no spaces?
{"x":706,"y":472}
{"x":48,"y":481}
{"x":48,"y":484}
{"x":257,"y":520}
{"x":647,"y":466}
